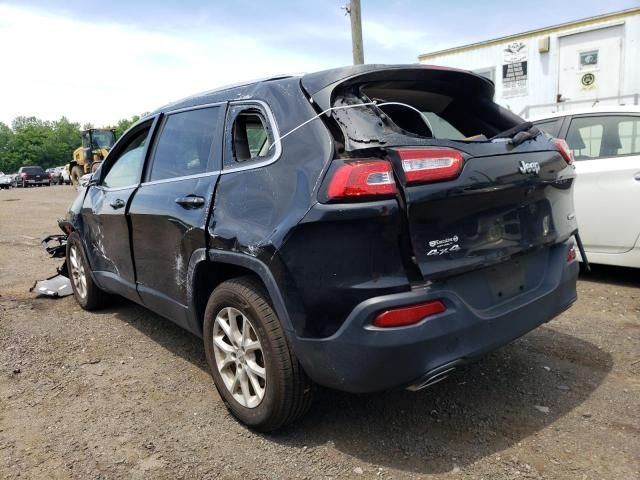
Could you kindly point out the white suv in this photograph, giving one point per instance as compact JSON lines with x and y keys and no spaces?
{"x":606,"y":144}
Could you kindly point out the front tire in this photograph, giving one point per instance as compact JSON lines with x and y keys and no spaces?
{"x":86,"y":292}
{"x":255,"y":372}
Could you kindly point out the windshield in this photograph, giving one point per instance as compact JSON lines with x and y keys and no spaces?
{"x":32,"y":170}
{"x":103,"y":139}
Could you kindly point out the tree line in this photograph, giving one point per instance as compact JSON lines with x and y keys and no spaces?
{"x":31,"y":141}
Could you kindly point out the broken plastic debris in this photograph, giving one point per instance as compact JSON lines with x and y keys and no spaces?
{"x":56,"y":286}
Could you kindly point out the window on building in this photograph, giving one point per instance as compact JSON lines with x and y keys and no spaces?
{"x":588,"y":59}
{"x":488,"y":73}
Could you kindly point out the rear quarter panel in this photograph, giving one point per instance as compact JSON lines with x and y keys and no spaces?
{"x":255,"y":209}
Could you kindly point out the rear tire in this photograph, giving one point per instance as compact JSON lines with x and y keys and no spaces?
{"x":88,"y":295}
{"x":249,"y":341}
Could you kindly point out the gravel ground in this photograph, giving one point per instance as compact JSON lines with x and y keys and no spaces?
{"x":123,"y":393}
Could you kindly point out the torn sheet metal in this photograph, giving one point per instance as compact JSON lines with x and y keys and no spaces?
{"x":59,"y":247}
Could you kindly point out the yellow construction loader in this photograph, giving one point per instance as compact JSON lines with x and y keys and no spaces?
{"x":96,"y":143}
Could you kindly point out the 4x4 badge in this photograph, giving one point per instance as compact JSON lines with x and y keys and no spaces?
{"x":531,"y":167}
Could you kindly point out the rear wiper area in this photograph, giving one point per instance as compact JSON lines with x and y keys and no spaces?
{"x":518,"y":134}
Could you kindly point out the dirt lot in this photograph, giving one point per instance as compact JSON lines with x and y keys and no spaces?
{"x":124,"y":393}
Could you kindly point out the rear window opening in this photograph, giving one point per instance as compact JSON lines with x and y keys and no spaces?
{"x":425,"y":121}
{"x":417,"y":110}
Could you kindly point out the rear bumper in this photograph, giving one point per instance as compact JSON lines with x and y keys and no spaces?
{"x":360,"y":358}
{"x":37,"y":182}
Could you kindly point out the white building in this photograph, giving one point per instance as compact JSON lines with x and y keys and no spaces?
{"x":572,"y":65}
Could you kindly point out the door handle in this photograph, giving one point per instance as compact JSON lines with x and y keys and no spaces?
{"x":190,"y":201}
{"x":636,"y":177}
{"x":117,"y":203}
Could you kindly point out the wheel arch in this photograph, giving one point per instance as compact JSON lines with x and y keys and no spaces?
{"x":207,"y":271}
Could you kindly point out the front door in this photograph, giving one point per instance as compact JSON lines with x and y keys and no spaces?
{"x":104,"y":213}
{"x":169,"y":211}
{"x":607,"y":190}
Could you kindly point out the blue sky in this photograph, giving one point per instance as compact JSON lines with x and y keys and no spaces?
{"x":100,"y":61}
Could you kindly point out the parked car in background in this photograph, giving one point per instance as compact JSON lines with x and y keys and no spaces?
{"x":5,"y":180}
{"x":51,"y":172}
{"x":32,"y":176}
{"x":373,"y":248}
{"x":59,"y":176}
{"x":64,"y":173}
{"x":605,"y":142}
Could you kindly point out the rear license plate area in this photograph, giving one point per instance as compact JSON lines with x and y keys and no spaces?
{"x":507,"y":280}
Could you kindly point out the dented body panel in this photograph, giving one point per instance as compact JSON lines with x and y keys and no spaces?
{"x":329,"y":266}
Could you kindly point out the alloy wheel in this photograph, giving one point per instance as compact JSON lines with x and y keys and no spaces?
{"x":78,"y":275}
{"x":239,"y":357}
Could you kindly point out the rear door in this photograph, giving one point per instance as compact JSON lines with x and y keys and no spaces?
{"x":169,"y":211}
{"x":607,"y":192}
{"x":106,"y":231}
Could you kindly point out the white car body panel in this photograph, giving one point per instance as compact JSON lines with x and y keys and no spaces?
{"x":606,"y":197}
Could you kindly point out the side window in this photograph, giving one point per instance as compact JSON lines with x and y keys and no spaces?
{"x":125,"y":170}
{"x":629,"y":133}
{"x":441,"y":128}
{"x":251,"y":135}
{"x":184,"y":145}
{"x":549,"y":126}
{"x":604,"y":136}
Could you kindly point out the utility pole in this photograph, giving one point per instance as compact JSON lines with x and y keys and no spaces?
{"x":353,"y":9}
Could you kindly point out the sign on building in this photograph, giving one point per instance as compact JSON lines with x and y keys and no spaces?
{"x":514,"y":70}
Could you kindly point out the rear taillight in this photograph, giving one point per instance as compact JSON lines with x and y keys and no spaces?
{"x":571,"y":254}
{"x":564,"y":150}
{"x":423,"y":165}
{"x":401,"y":317}
{"x":362,"y":179}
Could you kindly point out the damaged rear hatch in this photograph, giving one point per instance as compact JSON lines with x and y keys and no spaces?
{"x":477,"y":184}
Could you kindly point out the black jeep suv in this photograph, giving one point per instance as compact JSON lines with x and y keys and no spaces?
{"x":362,"y":228}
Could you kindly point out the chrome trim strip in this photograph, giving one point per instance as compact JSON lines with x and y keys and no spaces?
{"x":184,"y":177}
{"x":194,"y":107}
{"x":276,"y":134}
{"x":117,"y":189}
